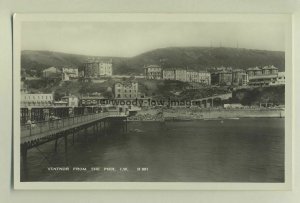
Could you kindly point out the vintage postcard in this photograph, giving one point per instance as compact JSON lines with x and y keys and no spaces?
{"x":152,"y":101}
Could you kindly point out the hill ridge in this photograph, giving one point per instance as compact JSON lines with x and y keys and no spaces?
{"x":197,"y":58}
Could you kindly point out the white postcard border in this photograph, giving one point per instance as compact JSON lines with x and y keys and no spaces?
{"x":151,"y":17}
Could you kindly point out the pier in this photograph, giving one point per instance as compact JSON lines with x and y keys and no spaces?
{"x":33,"y":135}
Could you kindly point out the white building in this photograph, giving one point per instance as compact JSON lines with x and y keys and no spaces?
{"x":36,"y":100}
{"x":52,"y":72}
{"x":105,"y":68}
{"x":126,"y":90}
{"x":69,"y":73}
{"x":192,"y":76}
{"x":153,"y":72}
{"x":205,"y":78}
{"x":169,"y":74}
{"x":180,"y":74}
{"x":262,"y":76}
{"x":71,"y":100}
{"x":280,"y":80}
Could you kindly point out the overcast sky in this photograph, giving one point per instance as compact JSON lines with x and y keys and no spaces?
{"x":130,"y":39}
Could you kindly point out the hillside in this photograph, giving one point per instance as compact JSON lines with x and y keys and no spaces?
{"x":197,"y":58}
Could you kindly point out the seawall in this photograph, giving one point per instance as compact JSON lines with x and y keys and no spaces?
{"x":185,"y":114}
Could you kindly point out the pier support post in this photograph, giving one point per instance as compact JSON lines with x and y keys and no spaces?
{"x":66,"y":142}
{"x":125,"y":125}
{"x":24,"y":155}
{"x":73,"y":138}
{"x":55,"y":145}
{"x":104,"y":127}
{"x":85,"y":134}
{"x":24,"y":161}
{"x":100,"y":128}
{"x":97,"y":130}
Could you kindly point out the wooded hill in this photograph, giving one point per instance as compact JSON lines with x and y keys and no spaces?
{"x":196,"y":58}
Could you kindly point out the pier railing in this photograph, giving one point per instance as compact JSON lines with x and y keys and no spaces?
{"x":57,"y":124}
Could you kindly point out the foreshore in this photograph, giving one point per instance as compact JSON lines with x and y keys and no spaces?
{"x":206,"y":114}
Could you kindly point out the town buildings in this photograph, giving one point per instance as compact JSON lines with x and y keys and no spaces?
{"x":71,"y":100}
{"x":169,"y":74}
{"x":222,"y":77}
{"x":105,"y":68}
{"x":60,"y":103}
{"x":69,"y":73}
{"x":93,"y":68}
{"x":254,"y":76}
{"x":262,"y":76}
{"x":126,"y":90}
{"x":204,"y":78}
{"x":239,"y":77}
{"x":153,"y":72}
{"x":36,"y":100}
{"x":180,"y":74}
{"x":51,"y":73}
{"x":280,"y":80}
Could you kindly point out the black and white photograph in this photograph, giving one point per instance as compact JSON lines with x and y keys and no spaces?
{"x":152,"y":99}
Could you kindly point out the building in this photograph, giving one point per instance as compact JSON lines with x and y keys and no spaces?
{"x":254,"y":71}
{"x":93,"y":68}
{"x":69,"y":73}
{"x":60,"y":103}
{"x":71,"y":100}
{"x":105,"y":69}
{"x":181,"y":75}
{"x":169,"y":74}
{"x":153,"y":72}
{"x":126,"y":90}
{"x":90,"y":69}
{"x":23,"y":87}
{"x":204,"y":78}
{"x":221,"y":78}
{"x":51,"y":73}
{"x":192,"y":76}
{"x":264,"y":76}
{"x":239,"y":77}
{"x":36,"y":100}
{"x":280,"y":80}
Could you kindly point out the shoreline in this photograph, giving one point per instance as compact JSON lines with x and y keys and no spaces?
{"x":207,"y":114}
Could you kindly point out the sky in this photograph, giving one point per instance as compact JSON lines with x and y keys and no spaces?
{"x":127,"y":39}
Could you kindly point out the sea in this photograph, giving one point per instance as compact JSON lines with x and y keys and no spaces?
{"x":230,"y":150}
